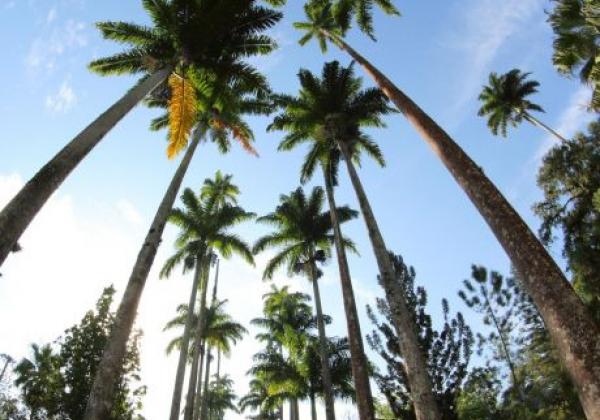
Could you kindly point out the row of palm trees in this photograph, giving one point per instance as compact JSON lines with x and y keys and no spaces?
{"x":192,"y":61}
{"x":289,"y":367}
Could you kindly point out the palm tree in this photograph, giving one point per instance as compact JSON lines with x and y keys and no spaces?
{"x":305,"y":122}
{"x":204,"y":226}
{"x":259,"y":398}
{"x":305,"y":233}
{"x":220,"y":398}
{"x":329,"y":112}
{"x":214,"y":35}
{"x":576,"y":24}
{"x":505,"y":102}
{"x":221,"y":330}
{"x":572,"y":328}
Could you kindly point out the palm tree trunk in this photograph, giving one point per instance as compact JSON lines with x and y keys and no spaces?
{"x":360,"y":371}
{"x":199,"y":334}
{"x":101,"y":396}
{"x":20,"y":211}
{"x":421,"y":387}
{"x":4,"y":369}
{"x":296,"y":409}
{"x":323,"y":348}
{"x":185,"y":344}
{"x":573,"y":331}
{"x":200,"y":372}
{"x":292,"y":416}
{"x":533,"y":120}
{"x":313,"y":407}
{"x":202,"y":404}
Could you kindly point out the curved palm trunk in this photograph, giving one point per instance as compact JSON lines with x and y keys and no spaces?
{"x":573,"y":330}
{"x":20,"y":211}
{"x":533,"y":120}
{"x":421,"y":387}
{"x":101,"y":396}
{"x":185,"y":344}
{"x":323,"y":349}
{"x":360,"y":371}
{"x":196,"y":350}
{"x":202,"y":403}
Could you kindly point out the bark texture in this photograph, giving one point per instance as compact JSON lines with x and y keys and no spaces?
{"x":421,"y":387}
{"x":323,"y":348}
{"x":573,"y":330}
{"x":21,"y":210}
{"x":360,"y":371}
{"x":185,"y":344}
{"x":100,"y":401}
{"x":195,"y":380}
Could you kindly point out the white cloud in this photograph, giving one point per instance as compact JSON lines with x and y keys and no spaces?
{"x":487,"y":26}
{"x":63,"y":100}
{"x":52,"y":14}
{"x":48,"y":47}
{"x":129,"y":212}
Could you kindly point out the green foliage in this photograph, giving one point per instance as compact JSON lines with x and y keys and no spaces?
{"x":220,"y":398}
{"x":328,"y":110}
{"x":289,"y":365}
{"x":204,"y":225}
{"x":570,"y":180}
{"x":56,"y":381}
{"x":447,"y":350}
{"x":576,"y":26}
{"x":504,"y":100}
{"x":539,"y":387}
{"x":204,"y":33}
{"x":221,"y":330}
{"x":303,"y":232}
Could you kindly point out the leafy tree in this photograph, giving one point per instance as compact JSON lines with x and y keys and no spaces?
{"x":303,"y":232}
{"x":576,"y":26}
{"x":56,"y":381}
{"x":504,"y":101}
{"x":539,"y":386}
{"x":565,"y":314}
{"x":478,"y":399}
{"x":491,"y":295}
{"x":570,"y":180}
{"x":447,"y":350}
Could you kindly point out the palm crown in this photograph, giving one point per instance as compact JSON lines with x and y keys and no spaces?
{"x":327,"y":110}
{"x":205,"y":226}
{"x":504,"y":100}
{"x":302,"y":230}
{"x":576,"y":24}
{"x":207,"y":33}
{"x":221,"y":331}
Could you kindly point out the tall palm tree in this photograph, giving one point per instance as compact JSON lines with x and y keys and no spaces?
{"x":221,"y":398}
{"x":204,"y":227}
{"x":305,"y":122}
{"x":505,"y":102}
{"x":304,"y":232}
{"x":259,"y":398}
{"x":330,"y":112}
{"x":198,"y":257}
{"x":214,"y":35}
{"x":576,"y":25}
{"x":572,"y":328}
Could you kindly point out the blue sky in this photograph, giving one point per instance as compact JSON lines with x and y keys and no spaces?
{"x":440,"y":53}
